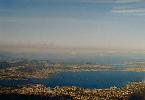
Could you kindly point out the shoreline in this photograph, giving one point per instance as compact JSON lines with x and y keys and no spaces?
{"x":77,"y":93}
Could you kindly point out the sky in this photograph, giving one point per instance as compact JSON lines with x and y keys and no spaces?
{"x":73,"y":23}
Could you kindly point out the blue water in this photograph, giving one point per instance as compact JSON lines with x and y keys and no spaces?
{"x":93,"y":79}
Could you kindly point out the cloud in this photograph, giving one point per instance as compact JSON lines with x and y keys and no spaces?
{"x":136,"y":8}
{"x":129,"y":1}
{"x":110,"y":1}
{"x":96,"y":1}
{"x":130,"y":10}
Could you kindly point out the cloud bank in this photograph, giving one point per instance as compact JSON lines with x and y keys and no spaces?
{"x":93,"y":1}
{"x":129,"y":10}
{"x":129,"y":1}
{"x":134,"y":7}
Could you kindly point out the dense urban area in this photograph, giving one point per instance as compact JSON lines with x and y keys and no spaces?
{"x":24,"y":69}
{"x":133,"y":91}
{"x":39,"y":69}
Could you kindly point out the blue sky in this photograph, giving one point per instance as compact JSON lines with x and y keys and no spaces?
{"x":94,"y":23}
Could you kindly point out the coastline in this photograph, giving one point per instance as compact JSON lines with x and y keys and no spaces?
{"x":75,"y":93}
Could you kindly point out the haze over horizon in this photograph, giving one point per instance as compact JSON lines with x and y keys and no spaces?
{"x":31,"y":24}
